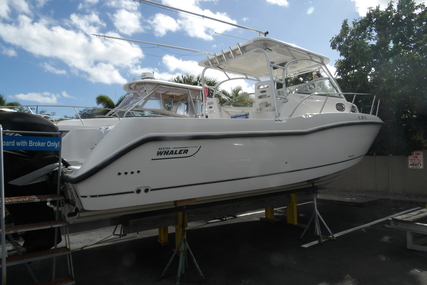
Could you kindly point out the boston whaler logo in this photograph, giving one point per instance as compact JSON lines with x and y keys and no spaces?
{"x":176,"y":152}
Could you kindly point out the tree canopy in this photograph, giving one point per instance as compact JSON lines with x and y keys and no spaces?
{"x":385,"y":53}
{"x":4,"y":102}
{"x":223,"y":95}
{"x":105,"y":101}
{"x":194,"y":80}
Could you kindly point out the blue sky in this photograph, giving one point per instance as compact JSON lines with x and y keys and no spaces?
{"x":48,"y":54}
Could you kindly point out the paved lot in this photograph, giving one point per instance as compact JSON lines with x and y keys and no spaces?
{"x":247,"y":251}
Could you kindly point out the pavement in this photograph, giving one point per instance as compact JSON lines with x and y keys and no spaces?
{"x":246,"y":250}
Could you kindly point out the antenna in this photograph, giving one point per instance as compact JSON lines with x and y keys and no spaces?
{"x":149,"y":43}
{"x":231,"y":36}
{"x":203,"y":16}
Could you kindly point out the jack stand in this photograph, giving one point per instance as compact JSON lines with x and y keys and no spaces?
{"x":316,"y":217}
{"x":182,"y":249}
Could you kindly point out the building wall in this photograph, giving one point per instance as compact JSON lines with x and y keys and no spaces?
{"x":386,"y":176}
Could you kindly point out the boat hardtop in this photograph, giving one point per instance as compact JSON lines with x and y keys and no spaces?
{"x":252,"y":58}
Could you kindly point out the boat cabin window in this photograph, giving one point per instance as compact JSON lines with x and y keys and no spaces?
{"x":319,"y":86}
{"x":160,"y":101}
{"x":244,"y":100}
{"x":176,"y":103}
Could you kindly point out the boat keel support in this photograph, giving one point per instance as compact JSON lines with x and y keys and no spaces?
{"x":163,"y":236}
{"x":292,"y":210}
{"x":317,"y":218}
{"x":182,"y":249}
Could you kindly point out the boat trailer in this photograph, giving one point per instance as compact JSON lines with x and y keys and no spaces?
{"x":415,"y":225}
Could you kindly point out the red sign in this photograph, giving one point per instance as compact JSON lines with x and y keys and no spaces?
{"x":415,"y":161}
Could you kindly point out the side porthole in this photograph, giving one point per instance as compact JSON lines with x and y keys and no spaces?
{"x":340,"y":107}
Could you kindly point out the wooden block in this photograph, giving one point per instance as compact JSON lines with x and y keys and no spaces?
{"x":186,"y":202}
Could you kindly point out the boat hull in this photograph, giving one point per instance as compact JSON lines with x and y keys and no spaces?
{"x":137,"y":165}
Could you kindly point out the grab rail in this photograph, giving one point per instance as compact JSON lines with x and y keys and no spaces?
{"x":50,"y":111}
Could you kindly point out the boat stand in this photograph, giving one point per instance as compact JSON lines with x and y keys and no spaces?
{"x":183,"y":249}
{"x":316,"y":217}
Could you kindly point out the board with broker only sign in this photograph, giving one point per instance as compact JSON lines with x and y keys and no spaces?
{"x":31,"y":143}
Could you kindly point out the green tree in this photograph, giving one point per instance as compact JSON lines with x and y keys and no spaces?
{"x":90,"y":113}
{"x":105,"y":101}
{"x":237,"y":97}
{"x":3,"y":102}
{"x":385,"y":53}
{"x":302,"y":78}
{"x":195,"y":80}
{"x":235,"y":93}
{"x":106,"y":104}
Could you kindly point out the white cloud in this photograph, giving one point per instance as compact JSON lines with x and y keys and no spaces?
{"x":49,"y":68}
{"x":41,"y":3}
{"x":89,"y":24}
{"x":96,"y":59}
{"x":197,"y":26}
{"x":105,"y":73}
{"x":363,"y":5}
{"x":127,"y":22}
{"x":4,"y":9}
{"x":182,"y":66}
{"x":20,"y":6}
{"x":87,"y":4}
{"x":128,"y":5}
{"x":7,"y":51}
{"x":162,"y":24}
{"x":174,"y":66}
{"x":332,"y":69}
{"x":283,"y":3}
{"x":65,"y":95}
{"x":44,"y":97}
{"x":92,"y":2}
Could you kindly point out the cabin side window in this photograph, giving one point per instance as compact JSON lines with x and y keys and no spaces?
{"x":177,"y":104}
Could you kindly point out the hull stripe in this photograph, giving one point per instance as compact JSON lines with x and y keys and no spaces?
{"x":157,"y":138}
{"x":223,"y":181}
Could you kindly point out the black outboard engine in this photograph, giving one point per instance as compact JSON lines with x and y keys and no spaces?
{"x":18,"y":163}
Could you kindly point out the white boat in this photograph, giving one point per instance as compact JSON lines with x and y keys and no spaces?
{"x":168,"y":142}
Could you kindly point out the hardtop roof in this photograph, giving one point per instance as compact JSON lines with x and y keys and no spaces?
{"x":249,"y":59}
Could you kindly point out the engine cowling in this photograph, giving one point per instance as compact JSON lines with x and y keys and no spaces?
{"x":18,"y":163}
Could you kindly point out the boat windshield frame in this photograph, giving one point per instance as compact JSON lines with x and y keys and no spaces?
{"x":167,"y":99}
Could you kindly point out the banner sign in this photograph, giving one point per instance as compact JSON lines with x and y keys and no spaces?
{"x":31,"y":143}
{"x":415,"y":160}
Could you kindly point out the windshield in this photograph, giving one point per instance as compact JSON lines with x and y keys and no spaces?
{"x":244,"y":100}
{"x":321,"y":86}
{"x":162,"y":100}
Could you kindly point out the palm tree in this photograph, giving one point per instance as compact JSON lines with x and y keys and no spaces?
{"x":187,"y":79}
{"x":237,"y":97}
{"x":107,"y":102}
{"x":196,"y":80}
{"x":3,"y":102}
